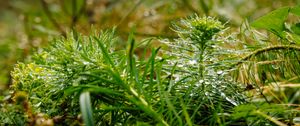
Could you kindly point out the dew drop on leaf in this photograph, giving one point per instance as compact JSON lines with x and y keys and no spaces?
{"x":220,"y":72}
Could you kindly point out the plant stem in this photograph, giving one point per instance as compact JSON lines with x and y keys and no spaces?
{"x":270,"y":118}
{"x":271,"y":48}
{"x":201,"y":66}
{"x":201,"y":61}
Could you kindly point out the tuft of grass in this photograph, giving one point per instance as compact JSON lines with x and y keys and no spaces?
{"x":162,"y":89}
{"x":188,"y":83}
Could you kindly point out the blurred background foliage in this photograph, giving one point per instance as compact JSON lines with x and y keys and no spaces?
{"x":26,"y":25}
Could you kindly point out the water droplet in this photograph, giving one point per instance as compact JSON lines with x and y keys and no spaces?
{"x":275,"y":66}
{"x":38,"y":104}
{"x":223,"y":95}
{"x":192,"y":62}
{"x":231,"y":101}
{"x":220,"y":72}
{"x":180,"y":65}
{"x":86,"y":63}
{"x":201,"y":81}
{"x":192,"y":94}
{"x":206,"y":93}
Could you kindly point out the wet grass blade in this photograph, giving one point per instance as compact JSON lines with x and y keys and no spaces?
{"x":105,"y":53}
{"x":86,"y":109}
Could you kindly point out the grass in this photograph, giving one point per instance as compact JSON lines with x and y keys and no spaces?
{"x":186,"y":81}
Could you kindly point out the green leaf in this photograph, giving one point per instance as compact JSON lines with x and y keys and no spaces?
{"x":296,"y":28}
{"x":295,"y":10}
{"x":98,"y":89}
{"x":86,"y":109}
{"x":130,"y":58}
{"x":273,"y":21}
{"x":296,"y":38}
{"x":151,"y":62}
{"x":71,"y":90}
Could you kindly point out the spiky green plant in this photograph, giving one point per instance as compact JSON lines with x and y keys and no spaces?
{"x":199,"y":74}
{"x":186,"y":84}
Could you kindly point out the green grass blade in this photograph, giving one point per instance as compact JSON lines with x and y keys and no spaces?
{"x":272,"y":119}
{"x":185,"y":113}
{"x":273,"y":21}
{"x":105,"y":53}
{"x":296,"y":10}
{"x":86,"y":109}
{"x":96,"y":89}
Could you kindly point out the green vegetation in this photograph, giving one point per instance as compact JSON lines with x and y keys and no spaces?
{"x":204,"y":73}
